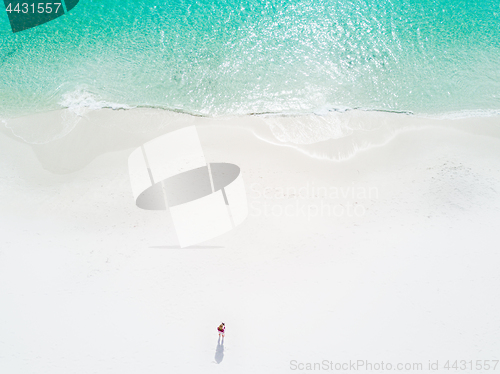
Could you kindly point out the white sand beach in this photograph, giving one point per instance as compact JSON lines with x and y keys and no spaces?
{"x":374,"y":238}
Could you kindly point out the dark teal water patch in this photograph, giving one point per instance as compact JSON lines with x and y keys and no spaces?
{"x":236,"y":57}
{"x":70,"y":4}
{"x":26,"y":14}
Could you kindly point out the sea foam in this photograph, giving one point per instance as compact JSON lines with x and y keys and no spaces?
{"x":81,"y":101}
{"x":42,"y":128}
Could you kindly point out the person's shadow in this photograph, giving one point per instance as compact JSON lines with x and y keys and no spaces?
{"x":219,"y":352}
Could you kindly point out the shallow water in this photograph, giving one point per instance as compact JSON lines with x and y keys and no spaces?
{"x":240,"y":57}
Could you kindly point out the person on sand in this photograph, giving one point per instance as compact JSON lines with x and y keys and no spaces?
{"x":221,"y":329}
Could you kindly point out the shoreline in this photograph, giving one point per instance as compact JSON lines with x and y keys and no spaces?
{"x":336,"y":136}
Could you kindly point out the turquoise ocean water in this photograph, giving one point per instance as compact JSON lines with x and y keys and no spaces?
{"x":240,"y":57}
